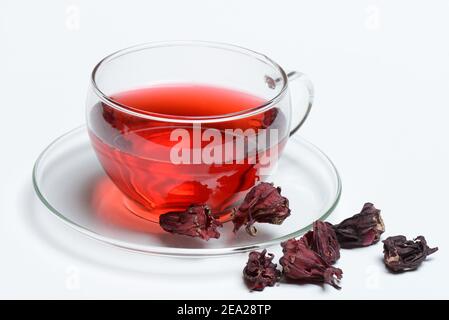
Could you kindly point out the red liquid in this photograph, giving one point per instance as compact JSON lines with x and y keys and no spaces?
{"x":135,"y":152}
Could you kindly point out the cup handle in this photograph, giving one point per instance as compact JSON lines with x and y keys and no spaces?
{"x":295,"y":75}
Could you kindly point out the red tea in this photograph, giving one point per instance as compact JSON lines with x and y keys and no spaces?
{"x":137,"y":153}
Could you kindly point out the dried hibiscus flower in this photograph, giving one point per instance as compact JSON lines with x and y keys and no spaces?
{"x":323,"y":241}
{"x":264,"y":204}
{"x":401,"y":254}
{"x":196,"y":221}
{"x":260,"y":271}
{"x":362,"y":229}
{"x":300,"y":262}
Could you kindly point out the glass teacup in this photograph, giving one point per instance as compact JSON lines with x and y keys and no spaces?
{"x":181,"y":123}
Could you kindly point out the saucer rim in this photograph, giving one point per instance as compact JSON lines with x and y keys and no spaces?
{"x":172,"y":251}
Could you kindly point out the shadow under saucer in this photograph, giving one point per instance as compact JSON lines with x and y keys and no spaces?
{"x":66,"y":241}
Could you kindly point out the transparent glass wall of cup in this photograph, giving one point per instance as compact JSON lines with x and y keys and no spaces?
{"x":135,"y":146}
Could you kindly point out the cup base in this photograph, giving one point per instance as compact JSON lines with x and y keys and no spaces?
{"x":141,"y":211}
{"x":152,"y":215}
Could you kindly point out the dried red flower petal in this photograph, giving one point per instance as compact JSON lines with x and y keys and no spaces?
{"x":307,"y":239}
{"x":260,"y":271}
{"x":324,"y":241}
{"x":300,"y":262}
{"x":362,"y":229}
{"x":196,"y":221}
{"x":401,"y":254}
{"x":263,"y":204}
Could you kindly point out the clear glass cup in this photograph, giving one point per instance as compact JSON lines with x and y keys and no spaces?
{"x":228,"y":148}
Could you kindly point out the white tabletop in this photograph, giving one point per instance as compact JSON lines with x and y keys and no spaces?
{"x":381,"y":73}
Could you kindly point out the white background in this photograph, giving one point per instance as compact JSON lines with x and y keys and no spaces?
{"x":381,"y":72}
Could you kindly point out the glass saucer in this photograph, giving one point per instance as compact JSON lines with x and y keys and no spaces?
{"x":69,"y":180}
